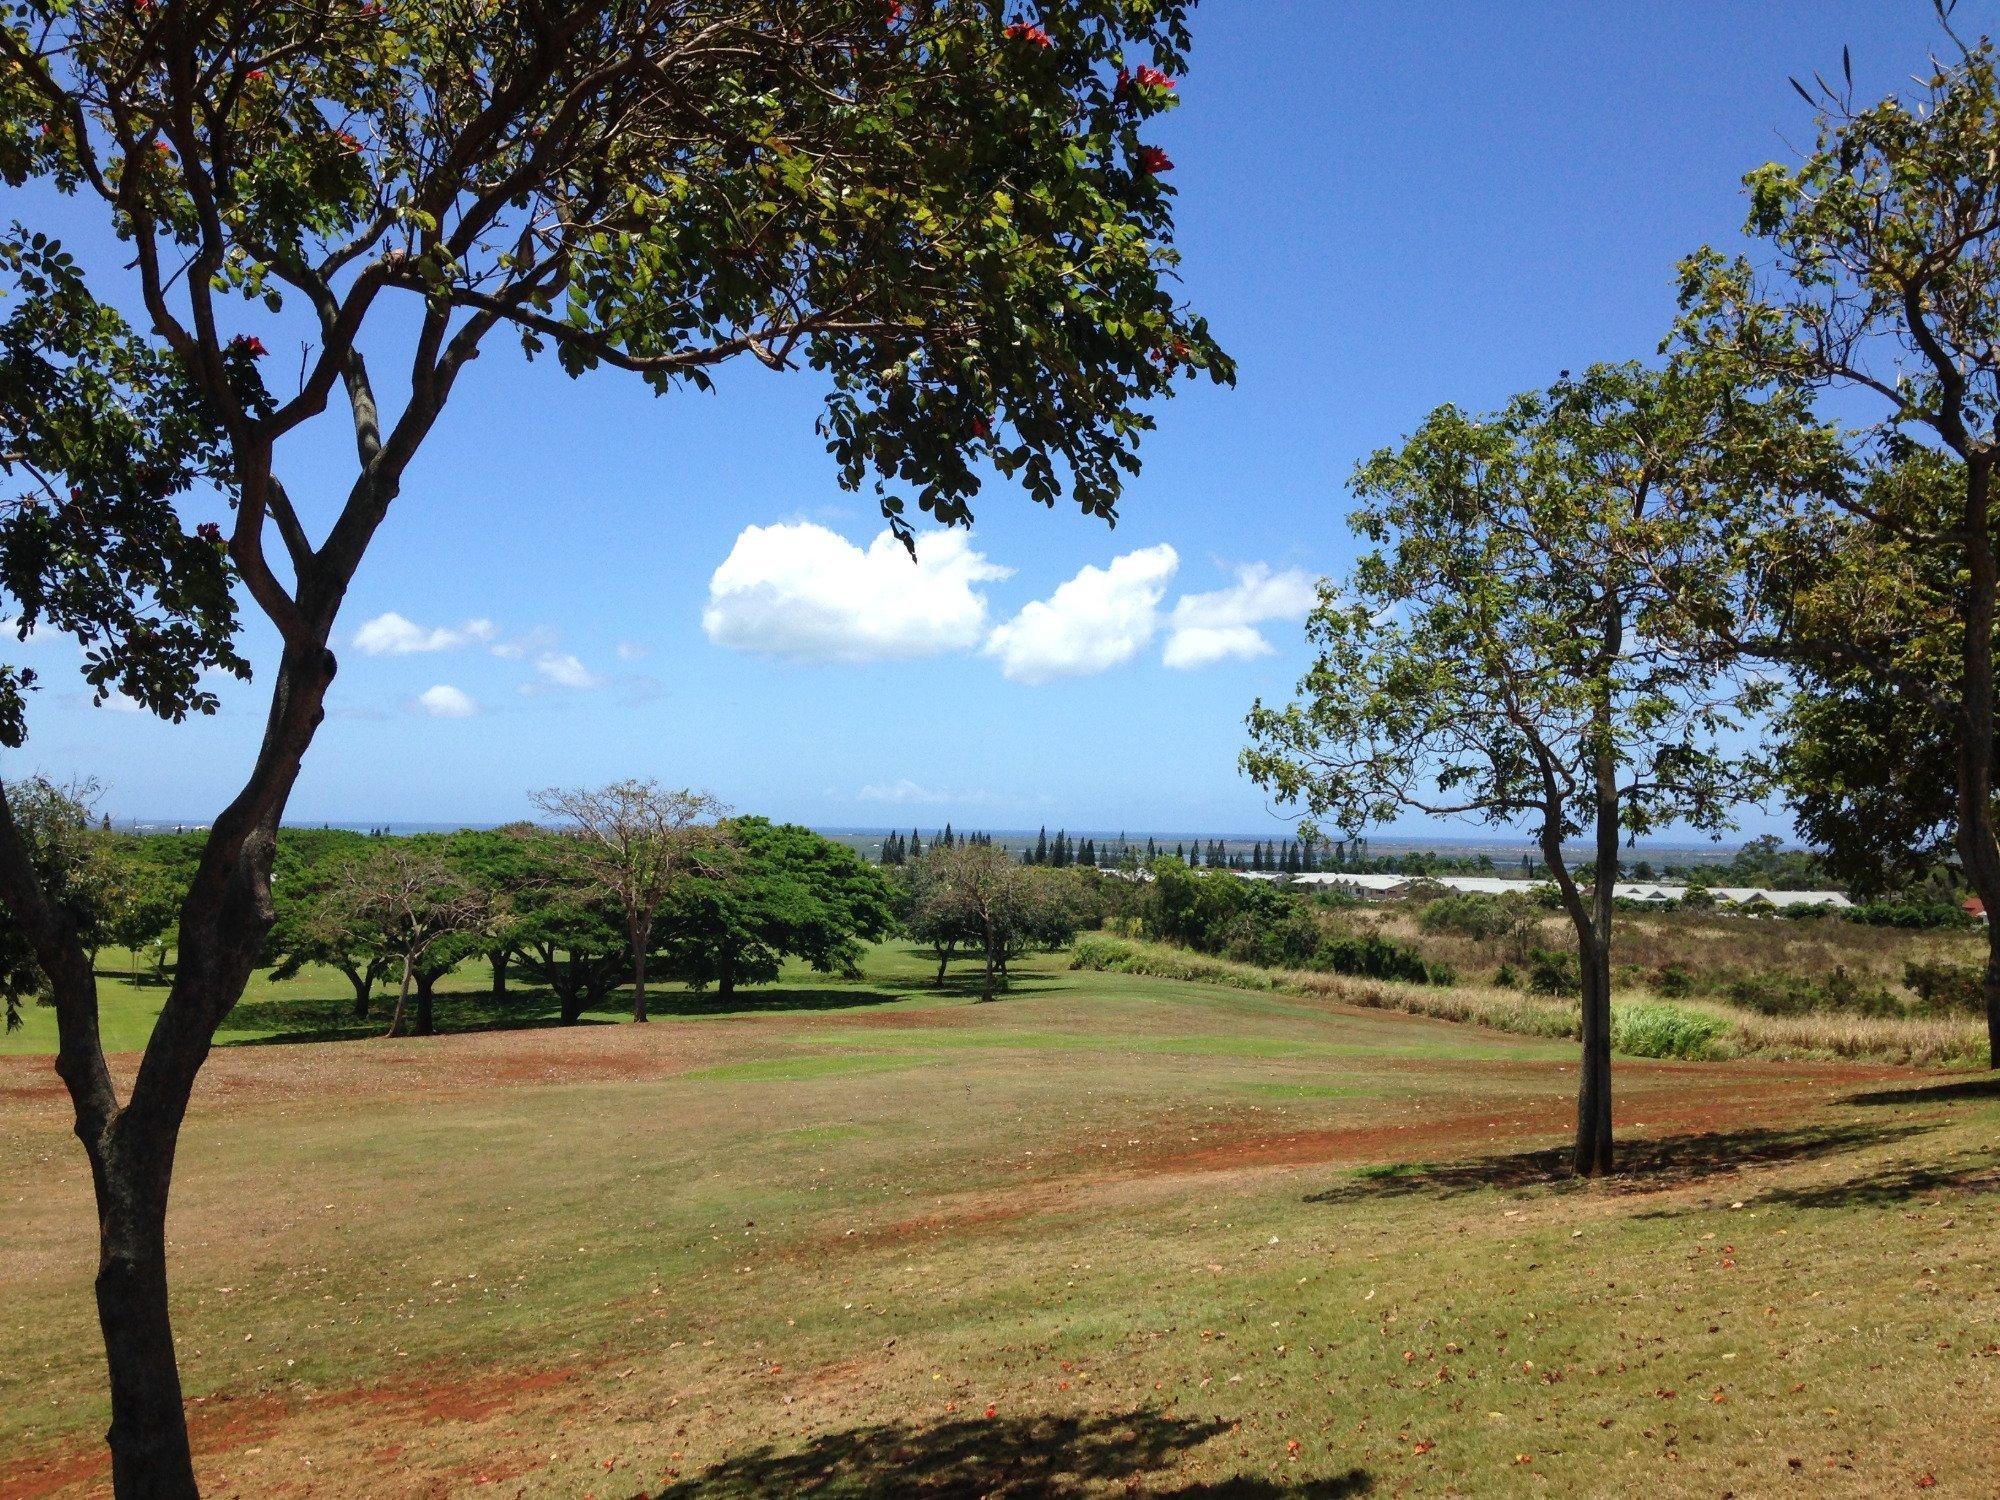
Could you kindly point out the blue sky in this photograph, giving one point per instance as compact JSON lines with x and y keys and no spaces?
{"x":1382,"y":208}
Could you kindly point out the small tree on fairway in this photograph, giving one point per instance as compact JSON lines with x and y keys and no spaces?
{"x":1510,"y":653}
{"x":975,"y":893}
{"x":411,"y":902}
{"x":638,"y":843}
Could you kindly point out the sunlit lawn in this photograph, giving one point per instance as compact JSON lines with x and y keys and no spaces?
{"x":1106,"y":1233}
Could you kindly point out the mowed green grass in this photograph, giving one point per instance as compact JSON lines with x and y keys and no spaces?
{"x":1108,"y":1232}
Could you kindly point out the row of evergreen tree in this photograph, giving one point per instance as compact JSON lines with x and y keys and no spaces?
{"x":1281,"y":857}
{"x":897,"y":850}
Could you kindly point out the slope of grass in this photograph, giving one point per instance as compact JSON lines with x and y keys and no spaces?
{"x":708,"y":1257}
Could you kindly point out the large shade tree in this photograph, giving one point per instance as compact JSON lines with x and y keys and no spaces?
{"x":1878,"y":283}
{"x":786,"y":892}
{"x":1522,"y":646}
{"x":947,"y":211}
{"x":637,"y":845}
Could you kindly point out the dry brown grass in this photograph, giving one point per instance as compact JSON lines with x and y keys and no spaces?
{"x":1715,"y":948}
{"x":1928,"y":1041}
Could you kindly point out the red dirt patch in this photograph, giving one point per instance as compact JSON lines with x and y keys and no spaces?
{"x":222,"y":1424}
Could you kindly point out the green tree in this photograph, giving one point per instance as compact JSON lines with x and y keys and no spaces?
{"x":57,"y":835}
{"x":957,"y":223}
{"x":1509,"y":653}
{"x":311,"y":926}
{"x":1880,"y":281}
{"x":567,"y":934}
{"x":637,"y":844}
{"x":407,"y":902}
{"x":786,"y":892}
{"x":144,"y":900}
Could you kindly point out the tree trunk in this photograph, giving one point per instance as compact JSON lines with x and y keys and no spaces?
{"x":639,"y":946}
{"x":402,"y":1001}
{"x":725,"y":976}
{"x":148,"y":1435}
{"x":1593,"y":1157}
{"x":426,"y":1016}
{"x":363,"y":980}
{"x":986,"y":986}
{"x":500,"y":958}
{"x":1978,"y":849}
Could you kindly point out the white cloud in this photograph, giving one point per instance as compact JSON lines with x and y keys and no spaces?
{"x":799,"y":590}
{"x":905,"y":791}
{"x":541,"y":638}
{"x":446,"y":702}
{"x":1096,"y":620}
{"x":564,"y":670}
{"x":633,"y":651}
{"x":392,"y":635}
{"x":1208,"y":628}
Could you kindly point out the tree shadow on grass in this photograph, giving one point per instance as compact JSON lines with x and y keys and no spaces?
{"x":1018,"y":1458}
{"x":1937,"y":1093}
{"x":780,"y":997}
{"x":1645,"y":1165}
{"x":455,"y":1012}
{"x":1893,"y":1184}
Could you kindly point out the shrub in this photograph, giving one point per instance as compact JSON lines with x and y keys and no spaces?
{"x":1918,"y":915}
{"x":1673,"y":982}
{"x":1797,"y":995}
{"x":1947,"y":989}
{"x":1372,"y":956}
{"x":1553,"y":973}
{"x":1505,"y":977}
{"x":1475,"y":916}
{"x":1664,"y":1031}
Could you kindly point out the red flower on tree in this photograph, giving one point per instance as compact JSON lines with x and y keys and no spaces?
{"x":250,"y":344}
{"x":209,"y":532}
{"x":1145,"y":78}
{"x":1022,"y":31}
{"x":1153,"y":161}
{"x":981,"y":428}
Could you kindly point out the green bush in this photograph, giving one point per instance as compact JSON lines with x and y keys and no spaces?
{"x":1947,"y":989}
{"x":1553,"y":973}
{"x":1664,"y":1031}
{"x":1372,"y":956}
{"x":1673,"y":982}
{"x":1475,"y":916}
{"x":1918,"y":915}
{"x":1797,"y":995}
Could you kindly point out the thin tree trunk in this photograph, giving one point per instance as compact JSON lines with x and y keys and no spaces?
{"x":639,"y":946}
{"x":500,"y":958}
{"x":402,"y":1001}
{"x":725,"y":979}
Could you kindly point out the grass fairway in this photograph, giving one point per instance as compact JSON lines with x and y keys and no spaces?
{"x":1109,"y":1234}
